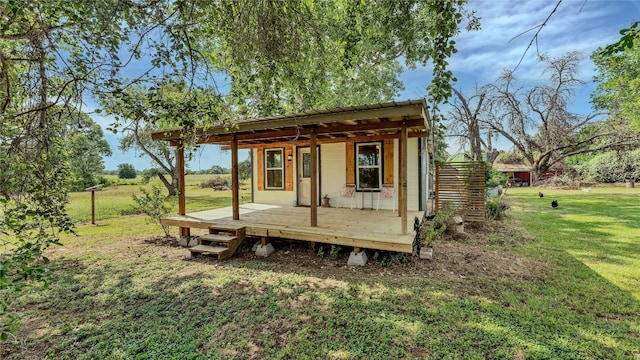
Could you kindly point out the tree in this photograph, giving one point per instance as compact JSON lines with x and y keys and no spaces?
{"x":244,"y":168}
{"x":628,"y":39}
{"x":612,"y":166}
{"x":464,"y":115}
{"x":537,"y":122}
{"x":618,"y":78}
{"x":169,"y":103}
{"x":126,"y":171}
{"x":327,"y":54}
{"x":219,"y":170}
{"x":275,"y":54}
{"x":85,"y":146}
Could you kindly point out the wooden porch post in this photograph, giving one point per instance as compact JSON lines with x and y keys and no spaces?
{"x":402,"y":209}
{"x":182,"y":204}
{"x":314,"y":179}
{"x":235,"y":190}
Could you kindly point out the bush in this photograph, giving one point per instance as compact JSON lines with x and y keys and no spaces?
{"x":495,"y":210}
{"x":612,"y":167}
{"x":438,"y":226}
{"x":126,"y":171}
{"x":154,"y":205}
{"x":101,"y":179}
{"x":216,"y":183}
{"x":493,"y":177}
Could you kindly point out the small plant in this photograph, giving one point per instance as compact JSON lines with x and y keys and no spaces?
{"x":154,"y":205}
{"x":320,"y":251}
{"x":388,"y":259}
{"x":438,"y":226}
{"x":333,"y":253}
{"x":495,"y":210}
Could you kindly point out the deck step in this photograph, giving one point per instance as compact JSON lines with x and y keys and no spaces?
{"x":207,"y":249}
{"x":217,"y":237}
{"x":227,"y":227}
{"x":222,"y":240}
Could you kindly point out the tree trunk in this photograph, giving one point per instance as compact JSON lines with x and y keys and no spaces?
{"x":172,"y":187}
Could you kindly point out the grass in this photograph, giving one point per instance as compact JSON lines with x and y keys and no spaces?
{"x":115,"y":200}
{"x":117,"y":297}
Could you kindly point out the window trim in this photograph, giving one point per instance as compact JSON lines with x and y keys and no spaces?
{"x":267,"y":169}
{"x":380,"y":165}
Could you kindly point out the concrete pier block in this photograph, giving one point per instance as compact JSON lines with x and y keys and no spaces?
{"x":359,"y":259}
{"x":265,"y":250}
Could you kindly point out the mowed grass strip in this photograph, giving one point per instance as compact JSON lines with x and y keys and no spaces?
{"x":600,"y":229}
{"x":116,"y":296}
{"x":116,"y":200}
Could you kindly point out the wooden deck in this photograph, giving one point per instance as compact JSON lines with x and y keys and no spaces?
{"x":365,"y":229}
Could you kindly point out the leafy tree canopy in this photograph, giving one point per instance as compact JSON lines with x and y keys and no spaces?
{"x":126,"y":171}
{"x":618,"y":79}
{"x":274,"y":56}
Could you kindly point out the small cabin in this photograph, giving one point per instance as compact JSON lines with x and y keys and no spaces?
{"x":353,"y":176}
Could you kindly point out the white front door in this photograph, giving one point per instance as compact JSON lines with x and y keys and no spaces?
{"x":304,"y":176}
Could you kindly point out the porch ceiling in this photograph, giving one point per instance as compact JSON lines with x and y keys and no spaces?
{"x":356,"y":123}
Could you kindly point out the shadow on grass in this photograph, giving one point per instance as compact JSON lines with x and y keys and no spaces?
{"x":157,"y":308}
{"x":599,"y":230}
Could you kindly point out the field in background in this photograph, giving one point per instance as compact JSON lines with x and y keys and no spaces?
{"x":115,"y":200}
{"x":567,"y":288}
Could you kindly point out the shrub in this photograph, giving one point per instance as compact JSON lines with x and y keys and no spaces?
{"x":613,"y":167}
{"x":495,"y":210}
{"x":494,"y":177}
{"x":438,"y":226}
{"x":215,"y":183}
{"x":154,"y":205}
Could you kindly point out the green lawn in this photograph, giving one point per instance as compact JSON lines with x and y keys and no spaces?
{"x":118,"y":297}
{"x":115,"y":200}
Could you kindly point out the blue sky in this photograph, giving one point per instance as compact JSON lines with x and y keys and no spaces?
{"x":577,"y":25}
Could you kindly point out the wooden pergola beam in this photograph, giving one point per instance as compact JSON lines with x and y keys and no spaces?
{"x":295,"y":131}
{"x":402,"y":209}
{"x":349,"y":115}
{"x":314,"y":180}
{"x":235,"y":183}
{"x":182,"y":203}
{"x":323,"y":141}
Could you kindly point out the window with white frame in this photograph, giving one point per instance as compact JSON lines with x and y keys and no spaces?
{"x":368,"y":165}
{"x":274,"y":169}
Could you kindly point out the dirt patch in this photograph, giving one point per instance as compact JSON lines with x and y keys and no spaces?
{"x":485,"y":251}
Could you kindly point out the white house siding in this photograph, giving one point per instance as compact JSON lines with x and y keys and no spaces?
{"x":332,"y":171}
{"x":413,"y":180}
{"x":275,"y":197}
{"x":333,"y":178}
{"x":413,"y":175}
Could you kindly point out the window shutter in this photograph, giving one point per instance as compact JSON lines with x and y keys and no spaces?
{"x":288,"y":168}
{"x":388,"y":162}
{"x":260,"y":162}
{"x":350,"y":161}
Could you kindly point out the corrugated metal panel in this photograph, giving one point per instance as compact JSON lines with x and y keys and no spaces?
{"x":462,"y":185}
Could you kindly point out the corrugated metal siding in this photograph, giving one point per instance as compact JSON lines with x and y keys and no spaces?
{"x":462,"y":185}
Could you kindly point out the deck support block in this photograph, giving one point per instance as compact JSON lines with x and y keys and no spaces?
{"x":265,"y":250}
{"x":357,"y":259}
